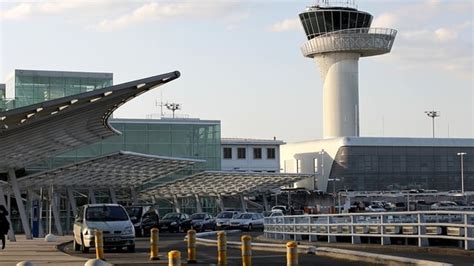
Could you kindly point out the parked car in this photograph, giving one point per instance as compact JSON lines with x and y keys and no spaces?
{"x":223,"y":218}
{"x":280,"y":207}
{"x":276,"y":214}
{"x":443,"y":205}
{"x":374,"y":208}
{"x":175,"y":222}
{"x":150,"y":219}
{"x":203,"y":221}
{"x":247,"y":221}
{"x":136,"y":216}
{"x":111,"y":219}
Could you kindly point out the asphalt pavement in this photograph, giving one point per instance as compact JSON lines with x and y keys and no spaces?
{"x":206,"y":255}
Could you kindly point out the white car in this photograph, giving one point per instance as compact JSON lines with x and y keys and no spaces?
{"x":247,"y":221}
{"x":374,"y":208}
{"x":223,"y":219}
{"x":111,"y":219}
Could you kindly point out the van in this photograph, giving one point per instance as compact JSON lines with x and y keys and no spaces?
{"x":111,"y":219}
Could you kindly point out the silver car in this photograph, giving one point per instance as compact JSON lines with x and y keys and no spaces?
{"x":223,"y":219}
{"x":247,"y":221}
{"x":111,"y":219}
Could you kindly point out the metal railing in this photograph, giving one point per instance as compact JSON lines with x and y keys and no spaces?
{"x":383,"y":31}
{"x":420,"y":225}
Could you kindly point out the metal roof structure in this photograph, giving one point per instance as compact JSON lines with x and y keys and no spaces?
{"x":118,"y":170}
{"x":214,"y":183}
{"x":43,"y":130}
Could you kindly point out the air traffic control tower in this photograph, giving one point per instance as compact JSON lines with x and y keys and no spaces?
{"x":338,"y":35}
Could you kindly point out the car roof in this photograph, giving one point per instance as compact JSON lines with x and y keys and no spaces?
{"x":102,"y":205}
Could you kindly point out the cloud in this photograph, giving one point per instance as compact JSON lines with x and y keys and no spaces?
{"x":20,"y":11}
{"x":286,"y":25}
{"x":445,"y":34}
{"x":160,"y":11}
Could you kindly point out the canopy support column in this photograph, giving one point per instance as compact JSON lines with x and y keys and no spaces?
{"x":198,"y":203}
{"x":68,"y":215}
{"x":92,"y":196}
{"x":19,"y":202}
{"x":133,"y":193}
{"x":72,"y":201}
{"x":113,"y":196}
{"x":220,"y":202}
{"x":55,"y":207}
{"x":11,"y":234}
{"x":40,"y":214}
{"x":243,"y":204}
{"x":176,"y":203}
{"x":265,"y":203}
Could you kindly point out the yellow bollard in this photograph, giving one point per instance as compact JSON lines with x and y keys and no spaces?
{"x":192,"y":246}
{"x":246,"y":250}
{"x":99,"y":245}
{"x":291,"y":253}
{"x":154,"y":244}
{"x":221,"y":248}
{"x":174,"y":258}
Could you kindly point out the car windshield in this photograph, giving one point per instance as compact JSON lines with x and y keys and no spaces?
{"x":225,"y":215}
{"x":171,"y":216}
{"x":134,"y":211}
{"x":244,"y":216}
{"x":198,"y":216}
{"x":106,"y":214}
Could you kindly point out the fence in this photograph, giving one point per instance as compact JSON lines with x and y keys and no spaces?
{"x":385,"y":227}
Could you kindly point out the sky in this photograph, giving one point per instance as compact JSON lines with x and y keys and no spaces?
{"x":240,"y":61}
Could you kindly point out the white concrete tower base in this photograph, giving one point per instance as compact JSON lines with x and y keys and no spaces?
{"x":340,"y":74}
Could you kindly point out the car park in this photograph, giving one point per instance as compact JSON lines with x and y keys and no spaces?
{"x":175,"y":222}
{"x":202,"y":222}
{"x":111,"y":219}
{"x":223,"y":218}
{"x":247,"y":221}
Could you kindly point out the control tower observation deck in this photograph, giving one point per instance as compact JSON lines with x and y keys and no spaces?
{"x":337,"y":37}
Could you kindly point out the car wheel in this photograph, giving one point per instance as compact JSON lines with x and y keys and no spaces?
{"x":249,"y":228}
{"x":76,"y":245}
{"x":84,"y":249}
{"x":131,"y":248}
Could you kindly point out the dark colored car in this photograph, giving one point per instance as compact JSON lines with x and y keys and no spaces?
{"x":202,"y":221}
{"x":175,"y":222}
{"x":136,"y":213}
{"x":150,"y":220}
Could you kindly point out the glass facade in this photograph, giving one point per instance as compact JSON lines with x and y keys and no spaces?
{"x":402,"y":167}
{"x":320,"y":21}
{"x":34,"y":86}
{"x":195,"y":139}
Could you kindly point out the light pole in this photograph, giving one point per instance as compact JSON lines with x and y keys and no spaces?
{"x":433,"y":115}
{"x":462,"y":170}
{"x":334,"y":190}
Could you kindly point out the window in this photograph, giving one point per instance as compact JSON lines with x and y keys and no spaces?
{"x":227,"y":153}
{"x":241,"y":153}
{"x":257,"y":153}
{"x":270,"y":153}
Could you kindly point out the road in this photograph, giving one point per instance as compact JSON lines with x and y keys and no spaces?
{"x":205,"y":255}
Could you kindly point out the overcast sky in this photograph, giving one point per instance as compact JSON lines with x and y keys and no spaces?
{"x":241,"y":62}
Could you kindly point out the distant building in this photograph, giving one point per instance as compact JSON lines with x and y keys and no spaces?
{"x":251,"y":155}
{"x":2,"y":90}
{"x":26,"y":87}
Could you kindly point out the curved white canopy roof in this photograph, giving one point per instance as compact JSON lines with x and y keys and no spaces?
{"x":43,"y":130}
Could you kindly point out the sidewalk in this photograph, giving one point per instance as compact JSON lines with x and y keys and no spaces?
{"x":37,"y":251}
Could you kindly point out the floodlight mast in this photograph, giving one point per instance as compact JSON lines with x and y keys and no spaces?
{"x":173,"y":107}
{"x":433,"y":115}
{"x":338,"y":35}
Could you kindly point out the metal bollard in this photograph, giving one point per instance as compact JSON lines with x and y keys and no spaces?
{"x":174,"y":258}
{"x":221,"y":248}
{"x":154,"y":244}
{"x":99,"y":245}
{"x":192,"y":246}
{"x":291,"y":253}
{"x":246,"y":250}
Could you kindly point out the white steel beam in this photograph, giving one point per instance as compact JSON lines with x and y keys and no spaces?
{"x":55,"y":208}
{"x":113,"y":196}
{"x":19,"y":202}
{"x":198,"y":203}
{"x":176,"y":203}
{"x":72,"y":200}
{"x":91,"y":196}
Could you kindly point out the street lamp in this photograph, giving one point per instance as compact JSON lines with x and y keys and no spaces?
{"x":462,"y":170}
{"x":433,"y":115}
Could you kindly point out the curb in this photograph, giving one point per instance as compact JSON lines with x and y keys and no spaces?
{"x":331,"y":252}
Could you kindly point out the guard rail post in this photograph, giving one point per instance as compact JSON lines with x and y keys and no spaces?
{"x":246,"y":250}
{"x":174,"y":258}
{"x":291,"y":253}
{"x":99,"y":245}
{"x":221,"y":248}
{"x":192,"y":246}
{"x":154,"y":238}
